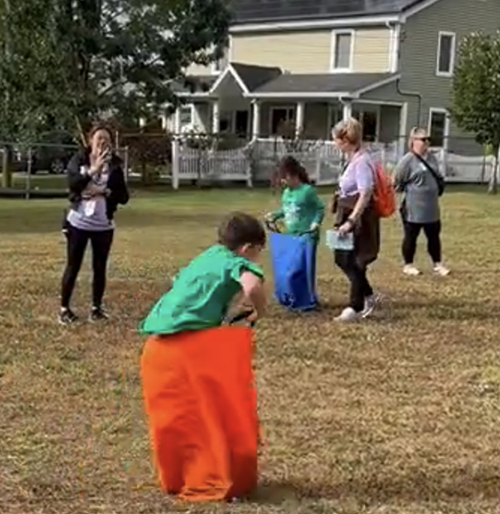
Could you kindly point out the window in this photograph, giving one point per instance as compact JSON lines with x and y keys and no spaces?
{"x":342,"y":51}
{"x":225,"y":122}
{"x":438,"y":127}
{"x":282,"y":121}
{"x":446,"y":54}
{"x":186,"y":115}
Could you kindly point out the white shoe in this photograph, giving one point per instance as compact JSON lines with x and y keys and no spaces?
{"x":348,"y":315}
{"x":370,"y":304}
{"x":411,"y":270}
{"x":441,"y":270}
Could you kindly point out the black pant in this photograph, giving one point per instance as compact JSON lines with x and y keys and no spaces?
{"x":76,"y":244}
{"x":411,"y":232}
{"x":360,"y":287}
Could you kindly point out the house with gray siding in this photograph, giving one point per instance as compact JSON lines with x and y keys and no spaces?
{"x":306,"y":65}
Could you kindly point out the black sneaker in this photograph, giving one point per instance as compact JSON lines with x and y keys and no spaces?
{"x":97,"y":314}
{"x":67,"y":317}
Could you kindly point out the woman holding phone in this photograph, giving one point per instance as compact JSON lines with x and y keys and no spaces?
{"x":96,"y":183}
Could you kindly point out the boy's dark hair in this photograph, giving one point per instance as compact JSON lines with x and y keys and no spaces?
{"x":239,"y":229}
{"x":290,"y":166}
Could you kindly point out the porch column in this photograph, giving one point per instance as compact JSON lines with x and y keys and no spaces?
{"x":402,"y":132}
{"x":215,"y":117}
{"x":299,"y":119}
{"x":164,"y":121}
{"x":177,"y":121}
{"x":255,"y":119}
{"x":347,"y":110}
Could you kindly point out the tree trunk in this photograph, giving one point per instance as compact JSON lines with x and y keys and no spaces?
{"x":6,"y":168}
{"x":493,"y":185}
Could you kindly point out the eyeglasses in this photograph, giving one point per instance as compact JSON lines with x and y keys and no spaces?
{"x":424,"y":139}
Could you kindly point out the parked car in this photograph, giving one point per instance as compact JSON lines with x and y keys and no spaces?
{"x":50,"y":155}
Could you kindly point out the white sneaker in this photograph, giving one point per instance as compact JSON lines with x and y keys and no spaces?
{"x":411,"y":270}
{"x":348,"y":315}
{"x":441,"y":270}
{"x":370,"y":304}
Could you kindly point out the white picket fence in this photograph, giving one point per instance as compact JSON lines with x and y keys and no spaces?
{"x":209,"y":165}
{"x":257,"y":161}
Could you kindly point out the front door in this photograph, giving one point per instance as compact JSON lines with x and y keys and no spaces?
{"x":241,"y":121}
{"x":369,"y":122}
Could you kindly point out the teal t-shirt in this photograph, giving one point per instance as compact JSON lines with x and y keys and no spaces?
{"x":300,"y":208}
{"x":200,"y":294}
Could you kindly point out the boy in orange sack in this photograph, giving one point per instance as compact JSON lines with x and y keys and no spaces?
{"x":197,"y":372}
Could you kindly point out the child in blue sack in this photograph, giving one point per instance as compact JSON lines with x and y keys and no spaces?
{"x":301,"y":209}
{"x":302,"y":212}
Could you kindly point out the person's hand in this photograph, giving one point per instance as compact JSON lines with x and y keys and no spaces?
{"x":100,"y":161}
{"x":94,"y":190}
{"x":314,"y":227}
{"x":345,"y":228}
{"x":269,"y":217}
{"x":252,"y":317}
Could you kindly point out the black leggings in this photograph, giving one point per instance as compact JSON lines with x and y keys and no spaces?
{"x":360,"y":287}
{"x":432,"y":232}
{"x":76,"y":244}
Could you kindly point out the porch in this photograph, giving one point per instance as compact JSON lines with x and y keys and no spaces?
{"x":254,"y":102}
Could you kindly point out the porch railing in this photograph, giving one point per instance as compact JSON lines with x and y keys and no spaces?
{"x":257,"y":161}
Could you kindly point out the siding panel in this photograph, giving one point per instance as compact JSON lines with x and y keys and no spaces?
{"x":296,"y":52}
{"x":372,"y":50}
{"x":311,"y":51}
{"x":418,"y":53}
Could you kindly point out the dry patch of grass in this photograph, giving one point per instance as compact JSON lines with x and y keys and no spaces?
{"x":398,"y":415}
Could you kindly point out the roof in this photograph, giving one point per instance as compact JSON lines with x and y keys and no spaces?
{"x":255,"y":76}
{"x":255,"y":81}
{"x":262,"y":11}
{"x":324,"y":83}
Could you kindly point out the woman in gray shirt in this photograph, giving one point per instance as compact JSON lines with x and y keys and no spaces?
{"x":417,"y":176}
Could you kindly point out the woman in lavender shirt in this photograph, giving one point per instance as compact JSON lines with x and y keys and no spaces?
{"x":97,"y":185}
{"x":354,"y":214}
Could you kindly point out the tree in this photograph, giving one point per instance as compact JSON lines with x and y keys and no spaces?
{"x":476,"y":92}
{"x":67,"y":62}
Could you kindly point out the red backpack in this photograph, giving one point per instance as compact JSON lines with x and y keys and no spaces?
{"x":384,"y":196}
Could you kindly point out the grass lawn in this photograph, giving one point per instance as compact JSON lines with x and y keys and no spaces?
{"x":396,"y":415}
{"x":38,"y":181}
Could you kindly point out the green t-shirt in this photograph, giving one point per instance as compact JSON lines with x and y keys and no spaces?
{"x":200,"y":294}
{"x":300,"y":208}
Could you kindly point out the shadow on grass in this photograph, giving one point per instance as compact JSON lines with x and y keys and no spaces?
{"x":419,"y":486}
{"x":445,"y":309}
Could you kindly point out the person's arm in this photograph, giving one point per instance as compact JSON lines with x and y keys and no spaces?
{"x":119,"y":194}
{"x":318,"y":206}
{"x":402,"y":173}
{"x":253,"y":291}
{"x":365,"y":182}
{"x":77,"y":181}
